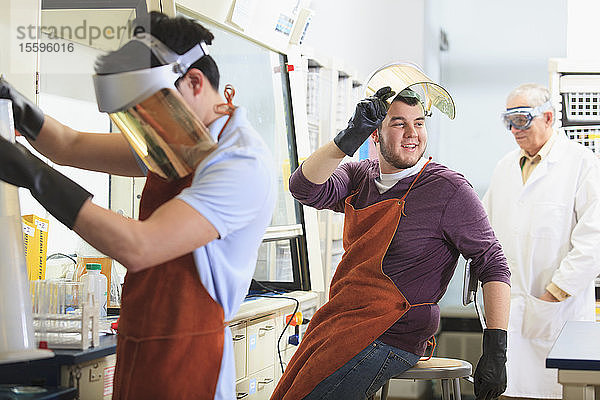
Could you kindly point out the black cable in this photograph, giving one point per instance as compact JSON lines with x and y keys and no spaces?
{"x":266,"y":288}
{"x":61,"y":255}
{"x":287,"y":324}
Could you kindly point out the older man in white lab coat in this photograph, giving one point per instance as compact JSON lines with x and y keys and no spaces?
{"x":544,"y":205}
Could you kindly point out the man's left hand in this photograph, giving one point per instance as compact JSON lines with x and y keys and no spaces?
{"x":368,"y":115}
{"x":490,"y":374}
{"x":62,"y":197}
{"x":547,"y":296}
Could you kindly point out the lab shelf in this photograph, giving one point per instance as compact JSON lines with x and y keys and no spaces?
{"x":589,"y":136}
{"x":50,"y":393}
{"x":48,"y":371}
{"x":575,"y":91}
{"x":582,"y":106}
{"x":108,"y":346}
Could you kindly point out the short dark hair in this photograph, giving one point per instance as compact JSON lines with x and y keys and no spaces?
{"x":408,"y":96}
{"x":180,"y":34}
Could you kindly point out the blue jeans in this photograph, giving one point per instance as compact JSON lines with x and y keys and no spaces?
{"x":364,"y":374}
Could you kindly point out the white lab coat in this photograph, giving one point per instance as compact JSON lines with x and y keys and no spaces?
{"x":549,"y":229}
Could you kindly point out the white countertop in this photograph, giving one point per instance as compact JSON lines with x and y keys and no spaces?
{"x":258,"y":306}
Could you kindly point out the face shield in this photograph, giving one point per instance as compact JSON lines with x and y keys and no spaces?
{"x":151,"y":113}
{"x":521,"y":117}
{"x":400,"y":76}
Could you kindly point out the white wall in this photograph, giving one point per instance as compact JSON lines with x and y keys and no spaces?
{"x":17,"y":66}
{"x":494,"y":47}
{"x":368,"y":34}
{"x":582,"y":30}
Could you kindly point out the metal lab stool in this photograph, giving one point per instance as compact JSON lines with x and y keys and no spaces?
{"x":448,"y":370}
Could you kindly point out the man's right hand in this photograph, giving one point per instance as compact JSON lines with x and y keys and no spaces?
{"x":27,"y":116}
{"x":368,"y":115}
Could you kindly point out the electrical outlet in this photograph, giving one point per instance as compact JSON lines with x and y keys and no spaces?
{"x":95,"y":373}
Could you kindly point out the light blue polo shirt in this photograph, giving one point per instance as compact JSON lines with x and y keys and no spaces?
{"x":234,"y":188}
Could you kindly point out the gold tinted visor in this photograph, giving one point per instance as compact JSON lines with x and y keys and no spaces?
{"x":400,"y":76}
{"x":165,"y":134}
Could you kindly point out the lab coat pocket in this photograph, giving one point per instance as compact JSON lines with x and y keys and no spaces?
{"x":542,"y":319}
{"x":548,"y":220}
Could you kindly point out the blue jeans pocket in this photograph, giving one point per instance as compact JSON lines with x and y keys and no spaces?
{"x":394,"y":364}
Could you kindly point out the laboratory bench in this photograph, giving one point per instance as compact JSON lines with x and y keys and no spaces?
{"x":258,"y":337}
{"x":14,"y":392}
{"x":47,"y":371}
{"x":262,"y":342}
{"x":90,"y":370}
{"x":576,"y":355}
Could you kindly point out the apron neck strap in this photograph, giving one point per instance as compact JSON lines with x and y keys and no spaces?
{"x":226,"y":108}
{"x":402,"y":200}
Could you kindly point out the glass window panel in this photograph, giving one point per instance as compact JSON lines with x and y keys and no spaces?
{"x":259,"y":77}
{"x":274,"y":262}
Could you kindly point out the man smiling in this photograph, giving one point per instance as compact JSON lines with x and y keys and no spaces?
{"x":406,"y":222}
{"x":409,"y":146}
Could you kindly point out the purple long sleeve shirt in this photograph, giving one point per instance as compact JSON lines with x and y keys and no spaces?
{"x":443,"y":218}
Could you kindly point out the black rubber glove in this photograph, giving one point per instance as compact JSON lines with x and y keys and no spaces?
{"x":28,"y":117}
{"x":490,"y":374}
{"x":367,"y":117}
{"x":62,"y":197}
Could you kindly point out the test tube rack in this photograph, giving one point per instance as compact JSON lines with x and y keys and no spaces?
{"x":77,"y":330}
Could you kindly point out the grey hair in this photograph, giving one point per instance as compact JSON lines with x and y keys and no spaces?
{"x":534,"y":93}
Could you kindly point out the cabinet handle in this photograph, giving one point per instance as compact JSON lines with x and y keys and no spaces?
{"x":238,"y":337}
{"x":241,"y":395}
{"x":266,"y":381}
{"x":262,"y":331}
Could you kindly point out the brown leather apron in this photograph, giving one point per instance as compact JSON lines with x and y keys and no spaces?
{"x":363,"y":301}
{"x":171,"y":331}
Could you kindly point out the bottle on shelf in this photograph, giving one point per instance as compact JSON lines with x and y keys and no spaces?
{"x":94,"y":287}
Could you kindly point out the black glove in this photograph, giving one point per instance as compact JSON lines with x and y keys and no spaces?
{"x":490,"y":374}
{"x":28,"y":117}
{"x":367,"y":117}
{"x":62,"y":197}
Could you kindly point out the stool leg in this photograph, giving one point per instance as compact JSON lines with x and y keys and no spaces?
{"x":445,"y":389}
{"x":384,"y":390}
{"x":456,"y":384}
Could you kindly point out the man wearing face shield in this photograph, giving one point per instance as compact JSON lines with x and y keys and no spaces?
{"x":544,"y":204}
{"x":406,"y":221}
{"x":207,"y":201}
